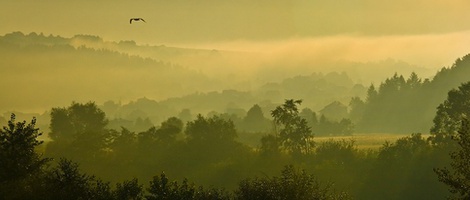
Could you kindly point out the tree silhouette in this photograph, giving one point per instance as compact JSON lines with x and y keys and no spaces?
{"x":78,"y":132}
{"x":161,"y":188}
{"x":169,"y":129}
{"x":76,"y":119}
{"x":20,"y":165}
{"x":459,"y":178}
{"x":357,"y":109}
{"x":450,"y":113}
{"x":270,"y":146}
{"x":17,"y":150}
{"x":294,"y":132}
{"x":255,"y":121}
{"x":311,"y":117}
{"x":292,"y":184}
{"x":129,"y":190}
{"x":214,"y":129}
{"x":65,"y":181}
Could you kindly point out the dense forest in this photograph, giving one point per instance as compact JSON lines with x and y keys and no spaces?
{"x":206,"y":150}
{"x":219,"y":143}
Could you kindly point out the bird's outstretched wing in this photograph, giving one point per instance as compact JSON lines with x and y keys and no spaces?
{"x":130,"y":21}
{"x":143,"y":20}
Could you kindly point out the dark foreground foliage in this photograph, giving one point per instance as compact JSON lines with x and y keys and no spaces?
{"x":24,"y":175}
{"x":292,"y":184}
{"x":207,"y":151}
{"x":458,"y":179}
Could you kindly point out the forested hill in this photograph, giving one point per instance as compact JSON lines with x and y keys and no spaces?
{"x":55,"y":72}
{"x":94,"y":42}
{"x":205,"y":60}
{"x":58,"y":70}
{"x":453,"y":76}
{"x":408,"y":104}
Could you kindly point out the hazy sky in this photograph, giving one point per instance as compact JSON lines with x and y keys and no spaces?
{"x":310,"y":34}
{"x":427,"y":32}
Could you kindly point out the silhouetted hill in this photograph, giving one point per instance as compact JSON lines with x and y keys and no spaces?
{"x":58,"y":70}
{"x":55,"y":72}
{"x":317,"y":90}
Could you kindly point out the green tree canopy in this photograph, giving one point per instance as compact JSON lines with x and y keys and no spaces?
{"x":169,"y":129}
{"x":459,"y":178}
{"x":18,"y":157}
{"x":161,"y":188}
{"x":451,"y":112}
{"x":255,"y":120}
{"x":311,"y":117}
{"x":294,"y":131}
{"x":76,"y":119}
{"x":129,"y":190}
{"x":78,"y":132}
{"x":211,"y":129}
{"x":20,"y":165}
{"x":292,"y":184}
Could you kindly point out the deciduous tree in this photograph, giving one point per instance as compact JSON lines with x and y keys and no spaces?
{"x":292,"y":184}
{"x":78,"y":132}
{"x":20,"y":165}
{"x":294,"y":132}
{"x":212,"y":129}
{"x":450,"y":113}
{"x":458,"y":179}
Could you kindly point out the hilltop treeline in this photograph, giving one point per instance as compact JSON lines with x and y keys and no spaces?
{"x":407,"y":104}
{"x":49,"y":66}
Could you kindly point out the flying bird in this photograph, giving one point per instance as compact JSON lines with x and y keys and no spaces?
{"x":136,"y":19}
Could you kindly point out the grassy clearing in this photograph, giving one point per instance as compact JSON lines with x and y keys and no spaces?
{"x":363,"y":141}
{"x":371,"y":141}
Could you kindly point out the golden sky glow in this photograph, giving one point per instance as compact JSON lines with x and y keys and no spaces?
{"x":366,"y":24}
{"x":313,"y":34}
{"x":213,"y":20}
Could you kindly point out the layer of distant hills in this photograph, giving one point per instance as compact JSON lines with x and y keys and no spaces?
{"x":39,"y":72}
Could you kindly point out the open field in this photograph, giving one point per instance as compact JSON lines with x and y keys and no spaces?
{"x":367,"y":140}
{"x":363,"y":141}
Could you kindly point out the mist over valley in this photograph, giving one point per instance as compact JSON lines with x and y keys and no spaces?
{"x":234,"y":100}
